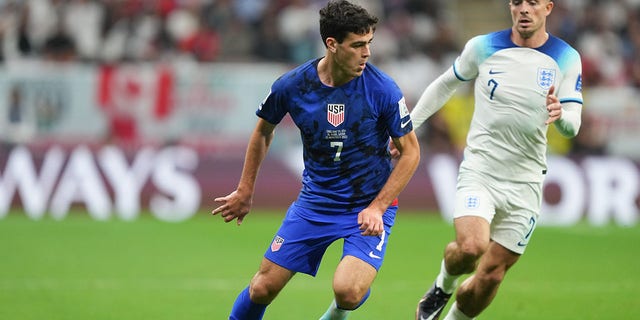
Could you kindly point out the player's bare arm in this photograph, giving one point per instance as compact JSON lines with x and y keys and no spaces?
{"x":237,"y":204}
{"x":370,"y":219}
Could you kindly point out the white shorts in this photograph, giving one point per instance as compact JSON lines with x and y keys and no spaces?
{"x":511,"y":208}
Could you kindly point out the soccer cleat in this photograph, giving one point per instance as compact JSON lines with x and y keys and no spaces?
{"x":431,"y":305}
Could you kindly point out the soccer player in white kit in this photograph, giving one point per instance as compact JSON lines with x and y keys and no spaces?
{"x":525,"y":79}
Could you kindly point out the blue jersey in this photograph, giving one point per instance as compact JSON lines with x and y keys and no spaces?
{"x":345,"y":133}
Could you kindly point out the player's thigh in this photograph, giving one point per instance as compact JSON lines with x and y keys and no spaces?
{"x":362,"y":257}
{"x":472,"y":233}
{"x":269,"y":279}
{"x":353,"y":272}
{"x":369,"y":249}
{"x":515,"y":222}
{"x":474,"y":210}
{"x":474,"y":197}
{"x":299,"y":244}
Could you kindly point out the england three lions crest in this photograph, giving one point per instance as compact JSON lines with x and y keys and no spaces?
{"x":335,"y":114}
{"x":546,"y":77}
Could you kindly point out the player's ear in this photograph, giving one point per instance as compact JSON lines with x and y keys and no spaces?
{"x":332,"y":44}
{"x":550,"y":5}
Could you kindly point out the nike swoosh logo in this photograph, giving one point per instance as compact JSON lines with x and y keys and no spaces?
{"x":433,"y":315}
{"x":372,"y":255}
{"x":404,"y":124}
{"x":520,"y":244}
{"x":495,"y":72}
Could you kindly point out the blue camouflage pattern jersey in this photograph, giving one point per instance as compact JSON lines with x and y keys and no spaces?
{"x":345,"y":133}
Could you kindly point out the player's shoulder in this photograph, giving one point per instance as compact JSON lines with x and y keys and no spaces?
{"x":496,"y":37}
{"x":499,"y":39}
{"x":376,"y":74}
{"x":557,"y":42}
{"x":294,"y":76}
{"x":560,"y":50}
{"x":377,"y":78}
{"x":485,"y":45}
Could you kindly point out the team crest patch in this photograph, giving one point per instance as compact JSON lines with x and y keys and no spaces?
{"x":335,"y":114}
{"x":277,"y":243}
{"x":546,"y":77}
{"x":472,"y":202}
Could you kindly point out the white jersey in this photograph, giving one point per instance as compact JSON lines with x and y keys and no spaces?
{"x":508,"y":135}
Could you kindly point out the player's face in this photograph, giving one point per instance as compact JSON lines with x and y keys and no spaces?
{"x":353,"y":53}
{"x":529,"y":16}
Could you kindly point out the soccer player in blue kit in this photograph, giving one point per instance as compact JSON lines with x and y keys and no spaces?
{"x":346,"y":110}
{"x":525,"y":79}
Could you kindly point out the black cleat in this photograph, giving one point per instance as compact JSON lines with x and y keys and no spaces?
{"x":431,"y":305}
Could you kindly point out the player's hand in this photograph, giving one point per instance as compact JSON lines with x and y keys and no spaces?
{"x":553,"y":106}
{"x":393,"y":150}
{"x":233,"y":206}
{"x":370,"y":221}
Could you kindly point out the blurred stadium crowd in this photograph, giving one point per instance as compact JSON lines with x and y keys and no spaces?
{"x":607,"y":34}
{"x":203,"y":30}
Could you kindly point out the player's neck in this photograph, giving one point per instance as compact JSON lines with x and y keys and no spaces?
{"x":330,"y":75}
{"x":536,"y":40}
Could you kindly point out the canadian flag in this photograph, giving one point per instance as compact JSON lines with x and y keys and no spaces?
{"x":139,"y":90}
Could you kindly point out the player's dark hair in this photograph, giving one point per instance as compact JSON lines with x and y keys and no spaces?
{"x":340,"y":17}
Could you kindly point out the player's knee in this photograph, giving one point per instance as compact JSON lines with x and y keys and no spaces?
{"x":350,"y":297}
{"x":471,"y":251}
{"x":347,"y":299}
{"x":261,"y":292}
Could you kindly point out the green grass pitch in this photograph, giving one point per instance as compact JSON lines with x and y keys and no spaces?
{"x":79,"y":268}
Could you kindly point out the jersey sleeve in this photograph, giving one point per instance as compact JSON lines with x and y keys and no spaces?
{"x":466,"y":64}
{"x":570,"y":89}
{"x":397,"y":114}
{"x":570,"y":94}
{"x":274,"y":107}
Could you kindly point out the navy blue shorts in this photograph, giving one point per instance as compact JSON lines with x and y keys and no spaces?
{"x":300,"y":244}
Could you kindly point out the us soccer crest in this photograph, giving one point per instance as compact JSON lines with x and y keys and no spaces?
{"x":277,"y":243}
{"x":335,"y":114}
{"x":546,"y":77}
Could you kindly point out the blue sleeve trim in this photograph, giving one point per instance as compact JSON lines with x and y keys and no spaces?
{"x":571,"y":100}
{"x":455,"y":72}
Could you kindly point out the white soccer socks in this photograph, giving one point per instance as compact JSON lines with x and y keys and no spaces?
{"x":445,"y":281}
